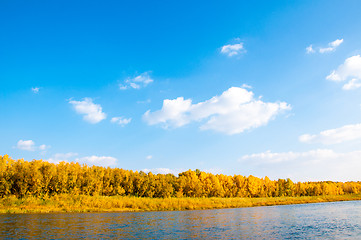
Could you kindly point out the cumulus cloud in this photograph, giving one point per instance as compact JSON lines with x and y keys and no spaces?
{"x":43,"y":147}
{"x":310,"y":49}
{"x":62,"y":157}
{"x":98,"y":160}
{"x":121,"y":120}
{"x":92,"y":112}
{"x":35,"y":90}
{"x":163,"y":171}
{"x":244,"y":85}
{"x":89,"y":160}
{"x":331,"y":46}
{"x":179,"y":170}
{"x":233,"y":49}
{"x":235,"y":111}
{"x":137,"y":82}
{"x":334,"y":136}
{"x":149,"y":157}
{"x":352,"y":84}
{"x":314,"y":165}
{"x":214,"y":171}
{"x":269,"y":157}
{"x":29,"y":145}
{"x":349,"y":71}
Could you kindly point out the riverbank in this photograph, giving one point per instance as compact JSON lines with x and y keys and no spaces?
{"x":83,"y":203}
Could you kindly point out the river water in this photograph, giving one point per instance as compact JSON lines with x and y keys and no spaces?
{"x":337,"y":220}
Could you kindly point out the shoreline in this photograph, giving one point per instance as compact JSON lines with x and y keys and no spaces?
{"x":65,"y":203}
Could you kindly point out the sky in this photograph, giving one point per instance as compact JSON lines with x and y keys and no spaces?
{"x":228,"y":87}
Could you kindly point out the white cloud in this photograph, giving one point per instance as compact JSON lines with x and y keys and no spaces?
{"x":175,"y":172}
{"x":137,"y":82}
{"x":310,"y":49}
{"x":43,"y":147}
{"x":269,"y":157}
{"x":92,"y":112}
{"x":331,"y":46}
{"x":172,"y":113}
{"x":35,"y":90}
{"x":349,"y":71}
{"x":214,"y":171}
{"x":244,"y":85}
{"x":98,"y":160}
{"x":89,"y":160}
{"x":149,"y":157}
{"x":314,"y":165}
{"x":334,"y":136}
{"x":235,"y":111}
{"x":233,"y":49}
{"x":27,"y":145}
{"x":62,"y":157}
{"x":121,"y":120}
{"x":352,"y":84}
{"x":163,"y":171}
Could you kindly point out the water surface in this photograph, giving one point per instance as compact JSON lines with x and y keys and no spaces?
{"x":337,"y":220}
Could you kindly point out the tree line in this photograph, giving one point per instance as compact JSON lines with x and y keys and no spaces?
{"x":41,"y":178}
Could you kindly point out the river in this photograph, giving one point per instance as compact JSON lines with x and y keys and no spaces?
{"x":335,"y":220}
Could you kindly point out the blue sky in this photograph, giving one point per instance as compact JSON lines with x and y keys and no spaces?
{"x":226,"y":87}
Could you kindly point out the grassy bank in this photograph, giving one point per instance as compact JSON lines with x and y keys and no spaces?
{"x":82,"y":203}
